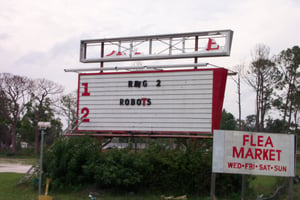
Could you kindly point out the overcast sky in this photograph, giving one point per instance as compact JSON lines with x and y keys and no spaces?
{"x":40,"y":38}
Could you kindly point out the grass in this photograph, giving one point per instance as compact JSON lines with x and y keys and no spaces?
{"x":267,"y":184}
{"x":264,"y":184}
{"x":10,"y":191}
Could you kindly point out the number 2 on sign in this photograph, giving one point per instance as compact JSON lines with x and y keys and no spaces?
{"x":85,"y":111}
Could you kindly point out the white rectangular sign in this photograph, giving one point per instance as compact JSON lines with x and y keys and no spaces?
{"x":253,"y":153}
{"x":154,"y":101}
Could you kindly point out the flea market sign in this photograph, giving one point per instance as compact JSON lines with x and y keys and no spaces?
{"x":254,"y":153}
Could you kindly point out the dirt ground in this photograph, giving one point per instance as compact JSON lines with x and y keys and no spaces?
{"x":8,"y":166}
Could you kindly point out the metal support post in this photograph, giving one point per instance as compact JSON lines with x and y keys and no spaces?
{"x":41,"y":160}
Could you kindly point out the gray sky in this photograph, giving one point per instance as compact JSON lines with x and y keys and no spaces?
{"x":40,"y":39}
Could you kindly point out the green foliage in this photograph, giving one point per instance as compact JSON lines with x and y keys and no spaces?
{"x":68,"y":161}
{"x":118,"y":168}
{"x":75,"y":162}
{"x":227,"y":121}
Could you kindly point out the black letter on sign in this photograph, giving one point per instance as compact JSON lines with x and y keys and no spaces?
{"x":132,"y":102}
{"x":129,"y":83}
{"x":149,"y":102}
{"x":137,"y":84}
{"x":145,"y":83}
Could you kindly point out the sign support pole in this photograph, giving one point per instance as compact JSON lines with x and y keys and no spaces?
{"x":244,"y":181}
{"x":213,"y":186}
{"x":41,"y":161}
{"x":291,"y":188}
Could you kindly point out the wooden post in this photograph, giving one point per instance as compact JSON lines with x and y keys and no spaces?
{"x":291,"y":188}
{"x":244,"y":181}
{"x":213,"y":186}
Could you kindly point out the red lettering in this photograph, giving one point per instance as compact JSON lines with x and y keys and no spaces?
{"x":249,"y":153}
{"x":85,"y":111}
{"x":144,"y":101}
{"x":272,"y":154}
{"x":264,"y":167}
{"x":237,"y":154}
{"x":235,"y":165}
{"x":251,"y":143}
{"x":260,"y":140}
{"x":85,"y":92}
{"x":212,"y":45}
{"x":278,"y":153}
{"x":269,"y":142}
{"x":265,"y":154}
{"x":245,"y":139}
{"x":280,"y":168}
{"x":258,"y":153}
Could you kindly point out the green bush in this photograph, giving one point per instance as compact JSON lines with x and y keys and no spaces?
{"x":69,"y":160}
{"x":177,"y":170}
{"x":118,"y":169}
{"x":75,"y":162}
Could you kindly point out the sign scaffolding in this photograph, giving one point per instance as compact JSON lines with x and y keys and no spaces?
{"x":155,"y":47}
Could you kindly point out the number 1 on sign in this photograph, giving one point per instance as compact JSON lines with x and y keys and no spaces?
{"x":85,"y":91}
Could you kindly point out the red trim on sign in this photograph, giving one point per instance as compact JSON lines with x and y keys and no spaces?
{"x":219,"y":85}
{"x":78,"y":96}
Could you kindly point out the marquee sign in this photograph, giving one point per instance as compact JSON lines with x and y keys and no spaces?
{"x":254,"y":153}
{"x":154,"y":47}
{"x":173,"y":101}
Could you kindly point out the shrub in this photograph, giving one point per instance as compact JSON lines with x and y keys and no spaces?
{"x":69,"y":160}
{"x":118,"y":169}
{"x":75,"y":162}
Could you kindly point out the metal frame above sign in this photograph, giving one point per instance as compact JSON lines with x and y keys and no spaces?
{"x":155,"y":47}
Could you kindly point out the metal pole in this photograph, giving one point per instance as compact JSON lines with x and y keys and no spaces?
{"x":244,"y":181}
{"x":41,"y":161}
{"x":213,"y":186}
{"x":291,"y":188}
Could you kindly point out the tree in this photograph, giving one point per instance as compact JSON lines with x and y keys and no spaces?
{"x":227,"y":121}
{"x":28,"y":123}
{"x":42,"y":90}
{"x":288,"y":95}
{"x":249,"y":123}
{"x":68,"y":107}
{"x":240,"y":73}
{"x":14,"y":95}
{"x":274,"y":126}
{"x":262,"y":77}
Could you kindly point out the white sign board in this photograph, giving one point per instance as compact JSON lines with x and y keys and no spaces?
{"x":253,"y":153}
{"x":188,"y":101}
